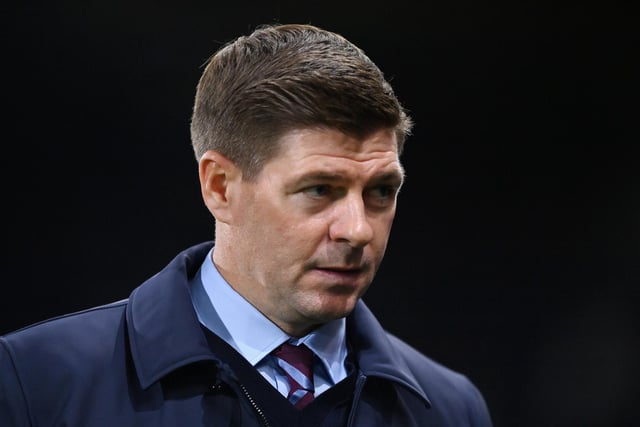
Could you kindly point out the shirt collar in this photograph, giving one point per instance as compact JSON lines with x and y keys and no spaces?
{"x":229,"y":315}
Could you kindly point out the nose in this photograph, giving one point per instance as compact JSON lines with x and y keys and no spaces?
{"x":352,"y":223}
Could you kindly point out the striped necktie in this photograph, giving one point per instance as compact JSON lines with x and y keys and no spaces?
{"x":296,"y":363}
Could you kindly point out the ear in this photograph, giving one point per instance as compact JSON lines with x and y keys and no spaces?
{"x":216,"y":174}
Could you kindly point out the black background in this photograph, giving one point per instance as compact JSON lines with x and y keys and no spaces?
{"x":515,"y":253}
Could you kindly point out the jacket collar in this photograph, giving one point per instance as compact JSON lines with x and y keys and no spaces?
{"x":377,"y":355}
{"x":165,"y":333}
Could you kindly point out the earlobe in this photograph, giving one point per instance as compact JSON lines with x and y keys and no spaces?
{"x":216,"y":172}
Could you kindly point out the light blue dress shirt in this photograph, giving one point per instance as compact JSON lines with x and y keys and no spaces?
{"x":227,"y":314}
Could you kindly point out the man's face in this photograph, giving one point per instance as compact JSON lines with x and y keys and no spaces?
{"x":309,"y":234}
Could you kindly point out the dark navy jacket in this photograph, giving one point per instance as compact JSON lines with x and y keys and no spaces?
{"x":145,"y":361}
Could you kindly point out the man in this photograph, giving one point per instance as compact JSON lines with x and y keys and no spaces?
{"x":298,"y":138}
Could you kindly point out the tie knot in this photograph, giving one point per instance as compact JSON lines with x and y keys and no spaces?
{"x":296,"y":363}
{"x":299,"y":356}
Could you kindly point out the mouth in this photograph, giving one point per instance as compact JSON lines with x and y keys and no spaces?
{"x":340,"y":269}
{"x":341,"y":275}
{"x":341,"y":272}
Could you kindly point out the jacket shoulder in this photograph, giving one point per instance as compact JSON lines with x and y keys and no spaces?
{"x":70,"y":340}
{"x":95,"y":320}
{"x":447,"y":389}
{"x":42,"y":364}
{"x":423,"y":366}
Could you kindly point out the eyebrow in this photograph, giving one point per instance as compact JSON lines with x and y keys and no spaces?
{"x":395,"y":177}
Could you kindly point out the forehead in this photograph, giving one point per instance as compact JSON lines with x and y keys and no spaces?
{"x":331,"y":149}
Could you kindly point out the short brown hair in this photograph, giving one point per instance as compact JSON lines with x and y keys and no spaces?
{"x":285,"y":77}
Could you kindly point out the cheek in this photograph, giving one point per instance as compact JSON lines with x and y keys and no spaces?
{"x":382,"y":231}
{"x":296,"y":242}
{"x":280,"y":235}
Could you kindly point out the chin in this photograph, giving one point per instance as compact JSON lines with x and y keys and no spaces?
{"x":334,"y":311}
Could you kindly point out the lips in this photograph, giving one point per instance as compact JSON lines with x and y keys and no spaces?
{"x":341,"y":269}
{"x":341,"y":275}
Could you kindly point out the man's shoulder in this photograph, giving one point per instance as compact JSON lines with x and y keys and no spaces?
{"x":85,"y":329}
{"x":442,"y":383}
{"x":50,"y":363}
{"x":96,"y":325}
{"x":421,"y":364}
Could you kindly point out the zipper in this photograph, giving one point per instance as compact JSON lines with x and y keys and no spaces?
{"x":356,"y":398}
{"x":255,"y":406}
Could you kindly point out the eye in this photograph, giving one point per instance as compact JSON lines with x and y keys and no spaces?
{"x":382,"y":195}
{"x":317,"y":191}
{"x":384,"y":191}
